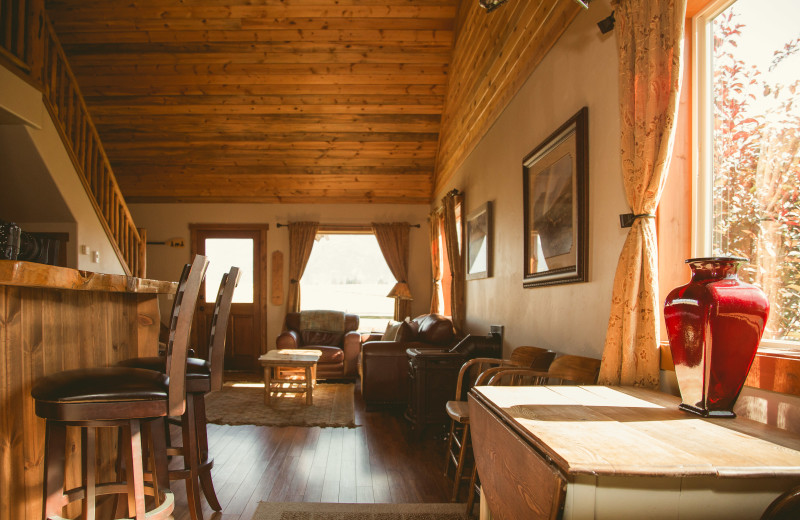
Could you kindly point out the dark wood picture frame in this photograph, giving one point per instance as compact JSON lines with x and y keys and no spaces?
{"x":479,"y":242}
{"x":556,"y":206}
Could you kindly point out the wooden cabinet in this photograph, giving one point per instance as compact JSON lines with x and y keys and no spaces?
{"x":432,"y":378}
{"x":54,"y":319}
{"x":624,"y":453}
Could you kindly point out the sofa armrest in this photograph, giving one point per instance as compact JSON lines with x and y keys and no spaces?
{"x":351,"y":345}
{"x":288,"y":339}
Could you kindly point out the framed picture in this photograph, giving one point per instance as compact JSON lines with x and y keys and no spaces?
{"x":479,"y":242}
{"x":556,"y":206}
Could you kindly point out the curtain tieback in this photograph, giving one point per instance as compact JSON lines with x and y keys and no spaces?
{"x":292,"y":281}
{"x":627,"y":219}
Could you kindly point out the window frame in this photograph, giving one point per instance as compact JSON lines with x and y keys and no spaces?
{"x":347,"y":229}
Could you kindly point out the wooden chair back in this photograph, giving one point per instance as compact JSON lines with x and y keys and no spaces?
{"x":785,"y":507}
{"x":470,"y":372}
{"x":180,"y":325}
{"x":534,"y":358}
{"x":525,"y":358}
{"x":576,"y":370}
{"x":219,"y":325}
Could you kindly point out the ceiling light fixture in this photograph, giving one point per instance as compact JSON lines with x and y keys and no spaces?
{"x":491,"y":5}
{"x":583,"y":3}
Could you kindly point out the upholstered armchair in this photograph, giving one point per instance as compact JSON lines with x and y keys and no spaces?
{"x":384,"y":364}
{"x":332,"y":332}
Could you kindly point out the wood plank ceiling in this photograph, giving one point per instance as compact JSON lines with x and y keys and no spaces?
{"x":298,"y":100}
{"x":264,"y":100}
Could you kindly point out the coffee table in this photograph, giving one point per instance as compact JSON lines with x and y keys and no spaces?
{"x":278,"y":364}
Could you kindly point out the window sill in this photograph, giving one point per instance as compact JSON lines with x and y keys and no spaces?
{"x":774,"y":369}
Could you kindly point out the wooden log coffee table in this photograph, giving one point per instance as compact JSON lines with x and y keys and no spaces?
{"x":280,"y":364}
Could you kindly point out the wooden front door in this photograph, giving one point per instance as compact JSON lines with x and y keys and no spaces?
{"x":243,"y":246}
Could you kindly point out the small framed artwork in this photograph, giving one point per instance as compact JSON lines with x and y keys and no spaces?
{"x":479,"y":242}
{"x":556,"y":206}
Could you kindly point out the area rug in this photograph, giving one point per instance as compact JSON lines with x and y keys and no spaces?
{"x":326,"y":511}
{"x":243,"y":403}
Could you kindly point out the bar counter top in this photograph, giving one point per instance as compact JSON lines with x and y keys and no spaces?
{"x":30,"y":274}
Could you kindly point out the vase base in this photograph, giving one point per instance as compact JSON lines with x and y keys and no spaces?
{"x":714,"y":414}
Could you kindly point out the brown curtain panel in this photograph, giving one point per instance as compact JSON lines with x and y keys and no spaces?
{"x":650,"y":42}
{"x":453,"y":245}
{"x":393,"y":241}
{"x":301,"y":240}
{"x":435,"y":220}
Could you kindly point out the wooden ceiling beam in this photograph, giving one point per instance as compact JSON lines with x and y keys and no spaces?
{"x":114,"y":111}
{"x":278,"y":35}
{"x":201,"y":136}
{"x":112,"y":91}
{"x":121,"y":102}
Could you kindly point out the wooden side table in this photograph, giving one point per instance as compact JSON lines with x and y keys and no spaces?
{"x":278,"y":363}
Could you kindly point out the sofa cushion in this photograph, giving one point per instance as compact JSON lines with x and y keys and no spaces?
{"x":329,"y":354}
{"x":311,"y":337}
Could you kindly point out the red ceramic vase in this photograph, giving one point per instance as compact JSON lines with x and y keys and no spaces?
{"x":714,"y":324}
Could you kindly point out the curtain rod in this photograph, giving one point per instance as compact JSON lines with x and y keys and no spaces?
{"x":344,"y":226}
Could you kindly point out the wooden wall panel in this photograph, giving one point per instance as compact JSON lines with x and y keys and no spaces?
{"x":493,"y":56}
{"x":42,"y":332}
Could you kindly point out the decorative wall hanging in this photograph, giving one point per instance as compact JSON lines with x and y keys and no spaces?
{"x":556,"y":206}
{"x":479,"y":242}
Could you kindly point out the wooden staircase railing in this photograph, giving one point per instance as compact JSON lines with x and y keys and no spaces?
{"x":42,"y":58}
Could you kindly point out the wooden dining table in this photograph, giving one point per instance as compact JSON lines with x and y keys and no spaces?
{"x":581,"y":452}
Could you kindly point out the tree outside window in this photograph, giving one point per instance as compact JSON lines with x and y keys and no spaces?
{"x":756,"y":151}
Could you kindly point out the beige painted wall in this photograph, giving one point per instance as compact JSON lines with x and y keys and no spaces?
{"x":26,"y":128}
{"x":164,"y":221}
{"x":580,"y":70}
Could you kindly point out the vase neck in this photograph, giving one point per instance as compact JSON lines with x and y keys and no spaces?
{"x":714,"y":268}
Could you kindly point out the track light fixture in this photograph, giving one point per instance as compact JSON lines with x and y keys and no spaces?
{"x":607,"y":24}
{"x":491,"y":5}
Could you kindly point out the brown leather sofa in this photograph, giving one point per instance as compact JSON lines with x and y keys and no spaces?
{"x":332,"y":332}
{"x":384,"y":364}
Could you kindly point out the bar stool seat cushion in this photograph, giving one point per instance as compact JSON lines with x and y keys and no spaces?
{"x":198,"y":370}
{"x":118,"y":392}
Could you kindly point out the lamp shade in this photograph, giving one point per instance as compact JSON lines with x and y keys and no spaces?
{"x":400,"y":291}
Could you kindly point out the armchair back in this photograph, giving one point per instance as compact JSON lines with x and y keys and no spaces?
{"x":313,"y":332}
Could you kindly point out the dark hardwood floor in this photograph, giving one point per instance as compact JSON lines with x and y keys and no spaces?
{"x":379,"y":461}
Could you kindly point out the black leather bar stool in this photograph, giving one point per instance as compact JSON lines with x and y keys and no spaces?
{"x":135,"y":400}
{"x":203,"y":376}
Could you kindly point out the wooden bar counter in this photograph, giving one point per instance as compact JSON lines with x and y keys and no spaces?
{"x":54,"y":319}
{"x":593,"y":452}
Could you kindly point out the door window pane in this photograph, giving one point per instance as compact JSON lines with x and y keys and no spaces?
{"x":223,"y":253}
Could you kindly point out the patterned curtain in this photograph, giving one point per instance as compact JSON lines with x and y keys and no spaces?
{"x":650,"y":42}
{"x":393,"y":241}
{"x":301,"y":240}
{"x":453,"y":243}
{"x":437,"y":298}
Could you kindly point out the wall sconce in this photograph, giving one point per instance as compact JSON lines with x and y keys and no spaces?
{"x":607,"y":24}
{"x":491,"y":5}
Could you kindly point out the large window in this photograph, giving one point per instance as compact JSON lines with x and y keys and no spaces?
{"x":748,"y":130}
{"x":347,"y":272}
